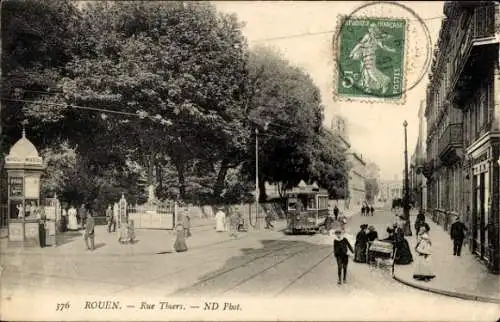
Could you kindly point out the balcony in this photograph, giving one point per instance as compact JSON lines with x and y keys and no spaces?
{"x":450,"y":144}
{"x":479,"y":45}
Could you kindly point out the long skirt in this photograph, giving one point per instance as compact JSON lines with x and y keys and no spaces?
{"x":360,"y":253}
{"x":402,"y":254}
{"x":423,"y":268}
{"x":219,"y":223}
{"x":180,"y":241}
{"x":72,"y":223}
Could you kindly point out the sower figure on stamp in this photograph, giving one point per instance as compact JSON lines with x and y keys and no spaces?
{"x":341,"y":246}
{"x":457,"y":233}
{"x":89,"y":231}
{"x":372,"y":79}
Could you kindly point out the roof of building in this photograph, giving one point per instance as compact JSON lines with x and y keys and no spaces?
{"x":23,"y":148}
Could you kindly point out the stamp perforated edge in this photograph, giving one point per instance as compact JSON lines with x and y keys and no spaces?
{"x":336,"y":73}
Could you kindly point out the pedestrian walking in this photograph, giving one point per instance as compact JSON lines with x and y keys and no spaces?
{"x":363,"y":210}
{"x":180,"y":244}
{"x":220,"y":218}
{"x":458,"y":232}
{"x":402,"y":252}
{"x":186,"y":222}
{"x":234,"y":221}
{"x":72,"y":218}
{"x":82,"y":215}
{"x":336,"y":212}
{"x":111,"y":219}
{"x":341,"y":246}
{"x":89,"y":234}
{"x":64,"y":219}
{"x":372,"y":210}
{"x":361,"y":245}
{"x":423,"y":268}
{"x":268,"y":218}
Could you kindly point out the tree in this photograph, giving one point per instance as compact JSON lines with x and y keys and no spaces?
{"x":286,"y":99}
{"x":371,"y":189}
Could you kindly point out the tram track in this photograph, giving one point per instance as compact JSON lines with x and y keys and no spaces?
{"x":206,"y":261}
{"x":259,"y":273}
{"x":245,"y":263}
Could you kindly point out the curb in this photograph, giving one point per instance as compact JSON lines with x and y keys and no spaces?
{"x":463,"y":296}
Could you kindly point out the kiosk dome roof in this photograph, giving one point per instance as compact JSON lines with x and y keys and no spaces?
{"x":23,"y":148}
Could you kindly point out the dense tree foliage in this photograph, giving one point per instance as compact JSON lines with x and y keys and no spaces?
{"x":188,"y":96}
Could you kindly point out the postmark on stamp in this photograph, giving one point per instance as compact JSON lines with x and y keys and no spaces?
{"x":371,"y":57}
{"x":381,"y":51}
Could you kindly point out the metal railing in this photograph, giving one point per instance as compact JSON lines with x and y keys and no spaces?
{"x":452,"y":137}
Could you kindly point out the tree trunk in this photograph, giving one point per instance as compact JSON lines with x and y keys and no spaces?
{"x":221,"y":177}
{"x":180,"y":166}
{"x":262,"y":191}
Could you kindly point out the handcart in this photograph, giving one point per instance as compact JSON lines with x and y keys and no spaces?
{"x":380,"y":253}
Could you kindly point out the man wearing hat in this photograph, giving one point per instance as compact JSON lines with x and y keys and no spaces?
{"x":340,"y":250}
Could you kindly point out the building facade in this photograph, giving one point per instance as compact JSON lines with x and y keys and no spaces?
{"x":417,"y":180}
{"x":390,"y":190}
{"x":463,"y":125}
{"x":357,"y":173}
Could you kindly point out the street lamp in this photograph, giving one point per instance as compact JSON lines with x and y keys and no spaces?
{"x":406,"y":199}
{"x":257,"y":194}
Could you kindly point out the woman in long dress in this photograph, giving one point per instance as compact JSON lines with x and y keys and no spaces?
{"x":72,"y":220}
{"x":220,"y":218}
{"x":423,"y":268}
{"x":360,"y":245}
{"x":402,"y":255}
{"x":180,"y":244}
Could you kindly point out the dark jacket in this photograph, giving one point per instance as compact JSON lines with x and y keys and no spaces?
{"x":340,"y":247}
{"x":335,"y":211}
{"x":458,"y":230}
{"x":372,"y":235}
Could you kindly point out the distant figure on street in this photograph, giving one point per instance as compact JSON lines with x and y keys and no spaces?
{"x":111,"y":219}
{"x":82,"y":214}
{"x":458,"y":232}
{"x":89,"y":231}
{"x":72,"y":219}
{"x":361,"y":245}
{"x":268,"y":219}
{"x":220,"y":218}
{"x":372,"y":210}
{"x":363,"y":210}
{"x":336,"y":212}
{"x":186,"y":222}
{"x":180,"y":244}
{"x":423,"y":268}
{"x":341,"y":246}
{"x":234,"y":221}
{"x":63,"y":223}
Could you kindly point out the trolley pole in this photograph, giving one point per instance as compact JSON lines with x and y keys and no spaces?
{"x":257,"y":178}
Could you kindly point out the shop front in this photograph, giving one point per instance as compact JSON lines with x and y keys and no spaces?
{"x":484,"y":180}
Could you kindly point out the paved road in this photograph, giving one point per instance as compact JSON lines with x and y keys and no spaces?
{"x":266,"y":264}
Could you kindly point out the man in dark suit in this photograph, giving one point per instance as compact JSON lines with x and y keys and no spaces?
{"x":457,"y":233}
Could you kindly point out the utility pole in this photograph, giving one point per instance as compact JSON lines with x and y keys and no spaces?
{"x":406,"y":202}
{"x":257,"y":178}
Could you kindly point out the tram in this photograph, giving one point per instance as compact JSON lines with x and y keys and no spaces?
{"x":306,"y":208}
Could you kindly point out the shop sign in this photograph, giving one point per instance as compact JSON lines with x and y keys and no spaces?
{"x":15,"y":186}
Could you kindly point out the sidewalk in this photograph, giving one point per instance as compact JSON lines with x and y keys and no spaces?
{"x":148,"y":241}
{"x":463,"y":277}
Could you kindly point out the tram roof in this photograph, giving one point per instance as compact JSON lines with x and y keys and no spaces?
{"x":307,"y":190}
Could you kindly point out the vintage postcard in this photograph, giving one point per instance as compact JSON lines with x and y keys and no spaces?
{"x":249,"y":161}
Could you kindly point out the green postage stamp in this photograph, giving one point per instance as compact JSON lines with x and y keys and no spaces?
{"x":371,"y":59}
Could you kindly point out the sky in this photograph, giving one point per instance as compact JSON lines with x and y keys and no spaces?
{"x":374,"y":130}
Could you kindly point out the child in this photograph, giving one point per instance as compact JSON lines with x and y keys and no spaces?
{"x":340,"y":247}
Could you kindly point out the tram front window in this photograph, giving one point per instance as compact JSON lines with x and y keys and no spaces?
{"x":311,"y":203}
